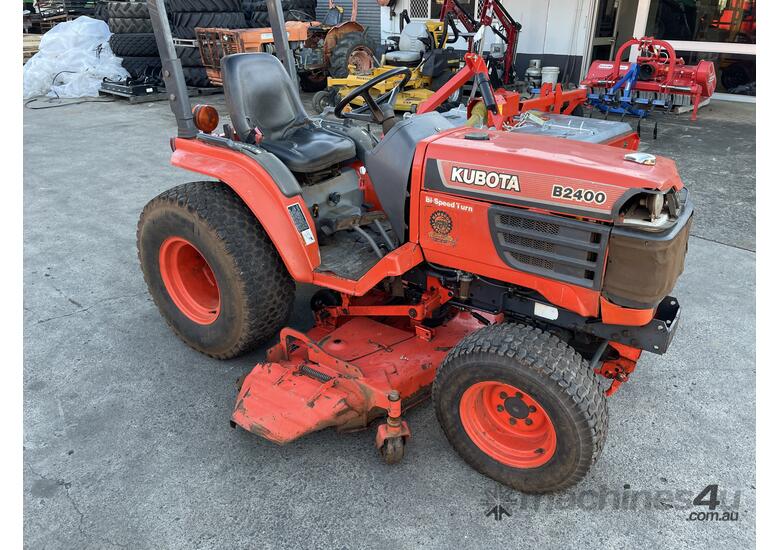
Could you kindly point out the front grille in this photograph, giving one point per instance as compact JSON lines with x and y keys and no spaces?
{"x":536,"y":244}
{"x":559,"y":248}
{"x":530,"y":260}
{"x":525,"y":223}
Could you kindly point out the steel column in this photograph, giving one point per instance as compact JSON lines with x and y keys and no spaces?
{"x":173,"y":75}
{"x":276,"y":19}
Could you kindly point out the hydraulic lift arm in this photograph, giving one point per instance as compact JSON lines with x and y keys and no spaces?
{"x":490,"y":10}
{"x":502,"y":106}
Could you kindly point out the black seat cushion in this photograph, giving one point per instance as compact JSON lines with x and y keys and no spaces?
{"x":260,"y":94}
{"x":308,"y":148}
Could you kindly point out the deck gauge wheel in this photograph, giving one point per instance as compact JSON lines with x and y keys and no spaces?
{"x":392,"y":449}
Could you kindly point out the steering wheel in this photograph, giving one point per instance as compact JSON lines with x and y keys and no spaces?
{"x":380,"y":109}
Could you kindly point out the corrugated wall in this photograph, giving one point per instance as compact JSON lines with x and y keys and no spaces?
{"x":368,"y":14}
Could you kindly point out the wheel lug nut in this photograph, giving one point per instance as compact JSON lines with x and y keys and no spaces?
{"x":503,"y":395}
{"x":528,"y":421}
{"x":519,"y":395}
{"x":539,"y":451}
{"x":532,"y":409}
{"x":500,"y":408}
{"x":512,"y":421}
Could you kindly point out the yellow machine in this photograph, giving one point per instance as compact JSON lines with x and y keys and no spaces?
{"x":421,"y":47}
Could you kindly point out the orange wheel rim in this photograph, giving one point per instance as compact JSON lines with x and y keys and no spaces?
{"x":189,"y":280}
{"x":507,"y":424}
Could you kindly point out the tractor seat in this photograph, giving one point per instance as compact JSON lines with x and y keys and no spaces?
{"x":411,"y":45}
{"x":260,"y":95}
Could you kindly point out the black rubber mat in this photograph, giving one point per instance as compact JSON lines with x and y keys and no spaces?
{"x":348,"y":255}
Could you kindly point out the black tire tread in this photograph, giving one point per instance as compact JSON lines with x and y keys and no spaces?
{"x":142,"y":66}
{"x":189,"y":57}
{"x":260,"y":5}
{"x":268,"y":290}
{"x":549,"y":356}
{"x":197,"y":77}
{"x":185,"y":6}
{"x":259,"y":18}
{"x":184,"y":23}
{"x":136,"y":10}
{"x":135,"y":44}
{"x":124,"y":25}
{"x":101,"y":10}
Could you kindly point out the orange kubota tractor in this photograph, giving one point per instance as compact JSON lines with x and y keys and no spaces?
{"x":502,"y":272}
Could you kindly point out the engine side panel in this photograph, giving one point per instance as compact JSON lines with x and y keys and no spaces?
{"x":455,"y":232}
{"x":519,"y":210}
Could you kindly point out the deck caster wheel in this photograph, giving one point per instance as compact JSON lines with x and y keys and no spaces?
{"x":392,"y":450}
{"x":391,"y":437}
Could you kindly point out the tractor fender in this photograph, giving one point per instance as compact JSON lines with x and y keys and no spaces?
{"x":267,"y":188}
{"x":333,"y":35}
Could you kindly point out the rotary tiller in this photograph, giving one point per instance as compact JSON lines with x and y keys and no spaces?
{"x":658,"y":79}
{"x":498,"y":271}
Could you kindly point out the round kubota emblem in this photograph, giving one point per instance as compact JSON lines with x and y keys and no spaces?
{"x":441,"y":223}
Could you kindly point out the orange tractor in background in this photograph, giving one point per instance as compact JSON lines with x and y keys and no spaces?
{"x":319,"y":48}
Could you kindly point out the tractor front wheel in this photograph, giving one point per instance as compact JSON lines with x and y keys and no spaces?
{"x":522,"y":407}
{"x":211,"y":269}
{"x":323,"y":99}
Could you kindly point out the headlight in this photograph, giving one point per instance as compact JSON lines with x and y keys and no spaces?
{"x":652,"y":210}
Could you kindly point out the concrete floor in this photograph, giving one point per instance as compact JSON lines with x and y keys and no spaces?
{"x":126,"y":429}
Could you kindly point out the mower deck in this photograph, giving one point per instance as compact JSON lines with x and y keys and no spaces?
{"x":343,"y":377}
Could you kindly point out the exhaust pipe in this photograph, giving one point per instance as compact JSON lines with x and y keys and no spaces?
{"x":173,"y":75}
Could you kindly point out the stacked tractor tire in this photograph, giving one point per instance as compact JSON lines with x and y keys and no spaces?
{"x":256,"y":11}
{"x":186,"y":15}
{"x":101,"y":10}
{"x":133,"y":38}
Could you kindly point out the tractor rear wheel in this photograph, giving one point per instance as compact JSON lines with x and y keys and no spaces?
{"x":353,"y":48}
{"x":522,"y":407}
{"x":211,"y":269}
